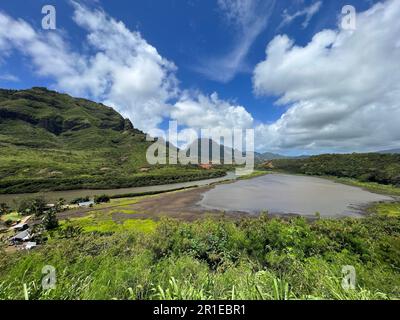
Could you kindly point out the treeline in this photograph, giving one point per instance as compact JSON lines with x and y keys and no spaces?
{"x":103,"y":182}
{"x":369,"y":167}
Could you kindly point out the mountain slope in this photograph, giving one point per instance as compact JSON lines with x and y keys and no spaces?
{"x":52,"y":141}
{"x":391,"y":151}
{"x":43,"y":118}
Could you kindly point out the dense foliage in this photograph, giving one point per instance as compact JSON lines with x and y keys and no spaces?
{"x":101,"y":199}
{"x":248,"y":259}
{"x":372,"y":167}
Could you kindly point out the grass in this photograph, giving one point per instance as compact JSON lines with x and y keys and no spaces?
{"x":13,"y":216}
{"x":388,"y":209}
{"x":254,"y":174}
{"x":91,"y":224}
{"x":370,"y":186}
{"x":212,"y":259}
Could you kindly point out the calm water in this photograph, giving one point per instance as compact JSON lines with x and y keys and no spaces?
{"x":280,"y":193}
{"x":53,"y":196}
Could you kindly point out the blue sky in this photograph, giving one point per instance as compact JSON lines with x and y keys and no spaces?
{"x":207,"y":54}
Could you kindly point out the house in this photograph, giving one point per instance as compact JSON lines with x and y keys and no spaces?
{"x":206,"y":166}
{"x":86,"y":203}
{"x":30,"y":245}
{"x":20,"y":226}
{"x":22,"y":236}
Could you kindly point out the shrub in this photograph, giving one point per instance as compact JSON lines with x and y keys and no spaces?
{"x":101,"y":199}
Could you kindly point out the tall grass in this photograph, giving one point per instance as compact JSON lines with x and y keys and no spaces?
{"x":257,"y":259}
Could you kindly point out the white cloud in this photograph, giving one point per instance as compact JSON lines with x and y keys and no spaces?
{"x":343,"y":88}
{"x":199,"y":111}
{"x":307,"y":12}
{"x":248,"y":18}
{"x":9,"y":77}
{"x":124,"y":71}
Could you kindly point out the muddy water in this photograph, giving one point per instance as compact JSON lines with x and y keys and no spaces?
{"x":285,"y":194}
{"x":12,"y":199}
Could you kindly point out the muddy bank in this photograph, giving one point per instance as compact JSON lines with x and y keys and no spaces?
{"x":182,"y":205}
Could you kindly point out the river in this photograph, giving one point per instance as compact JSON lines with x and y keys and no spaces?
{"x":52,"y":196}
{"x":290,"y":194}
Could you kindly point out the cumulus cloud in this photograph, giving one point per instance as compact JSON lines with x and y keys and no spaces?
{"x":342,"y":89}
{"x":9,"y":77}
{"x":307,"y":12}
{"x":196,"y":111}
{"x":248,"y":19}
{"x":124,"y":71}
{"x":201,"y":111}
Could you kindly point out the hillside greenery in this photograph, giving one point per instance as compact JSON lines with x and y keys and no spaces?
{"x":52,"y":141}
{"x":211,"y":259}
{"x":370,"y":167}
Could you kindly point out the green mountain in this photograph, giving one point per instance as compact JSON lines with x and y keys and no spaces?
{"x":52,"y":141}
{"x":43,"y":118}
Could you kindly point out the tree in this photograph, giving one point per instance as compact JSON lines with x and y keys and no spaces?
{"x":101,"y":199}
{"x":36,"y":206}
{"x":50,"y":220}
{"x":4,"y":209}
{"x":59,"y":206}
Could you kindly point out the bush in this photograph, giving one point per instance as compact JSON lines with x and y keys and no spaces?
{"x":80,"y":200}
{"x":50,"y":220}
{"x":36,"y":206}
{"x":4,"y":209}
{"x":101,"y":199}
{"x":216,"y":259}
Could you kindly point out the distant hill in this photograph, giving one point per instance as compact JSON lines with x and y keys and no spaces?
{"x":52,"y":141}
{"x":268,"y":156}
{"x":369,"y":167}
{"x":392,"y":151}
{"x":206,"y":147}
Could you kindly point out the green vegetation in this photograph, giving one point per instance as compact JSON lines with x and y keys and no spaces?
{"x":92,"y":223}
{"x":373,"y":167}
{"x":389,"y":209}
{"x":12,"y":216}
{"x":51,"y":141}
{"x":371,"y":186}
{"x":50,"y":221}
{"x":101,"y":199}
{"x":34,"y":205}
{"x":211,"y":259}
{"x":4,"y":209}
{"x":80,"y":199}
{"x":254,"y":174}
